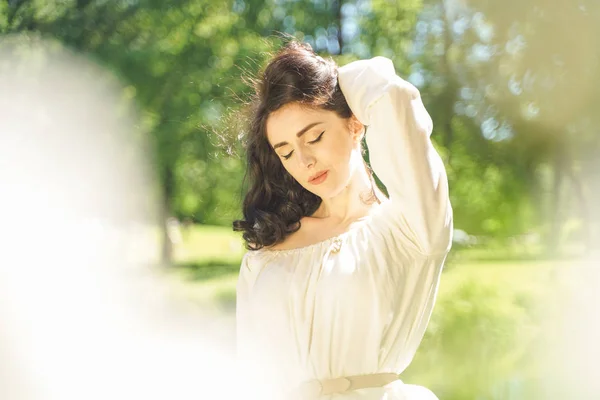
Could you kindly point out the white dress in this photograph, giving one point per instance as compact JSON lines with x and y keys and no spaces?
{"x":357,"y":303}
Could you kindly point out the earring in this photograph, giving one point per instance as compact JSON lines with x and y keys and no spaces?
{"x":361,"y":135}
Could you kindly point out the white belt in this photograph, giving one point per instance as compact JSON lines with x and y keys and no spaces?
{"x":315,"y":388}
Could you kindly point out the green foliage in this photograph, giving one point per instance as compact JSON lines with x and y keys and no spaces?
{"x":463,"y":316}
{"x":514,"y":118}
{"x":509,"y":104}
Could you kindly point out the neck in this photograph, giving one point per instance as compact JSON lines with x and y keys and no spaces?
{"x":352,"y":202}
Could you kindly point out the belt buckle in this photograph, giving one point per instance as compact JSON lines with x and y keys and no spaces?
{"x":347,"y":387}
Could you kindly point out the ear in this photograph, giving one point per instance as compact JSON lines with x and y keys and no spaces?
{"x":357,"y":129}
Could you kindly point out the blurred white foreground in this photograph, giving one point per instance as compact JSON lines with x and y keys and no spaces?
{"x":83,"y":315}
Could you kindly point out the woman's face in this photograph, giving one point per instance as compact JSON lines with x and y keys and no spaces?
{"x":317,"y":147}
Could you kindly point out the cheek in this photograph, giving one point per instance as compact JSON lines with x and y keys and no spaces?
{"x":341,"y":155}
{"x":291,"y":167}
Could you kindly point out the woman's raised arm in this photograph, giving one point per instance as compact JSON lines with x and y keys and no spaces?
{"x":401,"y":152}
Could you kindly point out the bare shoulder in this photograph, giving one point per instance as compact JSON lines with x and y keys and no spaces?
{"x":310,"y":232}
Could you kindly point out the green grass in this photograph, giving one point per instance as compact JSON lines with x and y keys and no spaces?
{"x":206,"y":244}
{"x":208,"y":260}
{"x":207,"y":263}
{"x":483,"y":331}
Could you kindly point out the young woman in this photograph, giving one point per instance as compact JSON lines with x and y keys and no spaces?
{"x":339,"y":282}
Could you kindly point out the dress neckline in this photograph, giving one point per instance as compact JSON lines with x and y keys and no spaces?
{"x":359,"y":224}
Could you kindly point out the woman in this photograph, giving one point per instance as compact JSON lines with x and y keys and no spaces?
{"x":339,"y":282}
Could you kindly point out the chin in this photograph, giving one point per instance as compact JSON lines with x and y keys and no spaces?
{"x":332,"y":191}
{"x":323,"y":190}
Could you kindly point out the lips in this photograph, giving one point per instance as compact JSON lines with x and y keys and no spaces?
{"x":318,"y":177}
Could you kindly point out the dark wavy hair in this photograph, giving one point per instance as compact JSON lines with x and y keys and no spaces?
{"x":275,"y":202}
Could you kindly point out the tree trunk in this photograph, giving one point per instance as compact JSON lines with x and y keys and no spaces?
{"x":553,"y":235}
{"x":584,"y":213}
{"x":338,"y":17}
{"x":166,"y":255}
{"x":448,"y":97}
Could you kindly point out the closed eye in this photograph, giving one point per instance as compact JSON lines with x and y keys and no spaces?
{"x":318,"y":138}
{"x":287,"y":156}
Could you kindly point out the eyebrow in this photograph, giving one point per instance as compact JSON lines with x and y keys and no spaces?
{"x":300,"y":133}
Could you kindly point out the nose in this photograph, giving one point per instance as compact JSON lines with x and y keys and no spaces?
{"x":306,"y":158}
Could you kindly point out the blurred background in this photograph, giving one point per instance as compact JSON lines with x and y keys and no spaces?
{"x":513,"y":91}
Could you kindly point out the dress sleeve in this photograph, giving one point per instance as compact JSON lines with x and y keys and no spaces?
{"x":401,"y":152}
